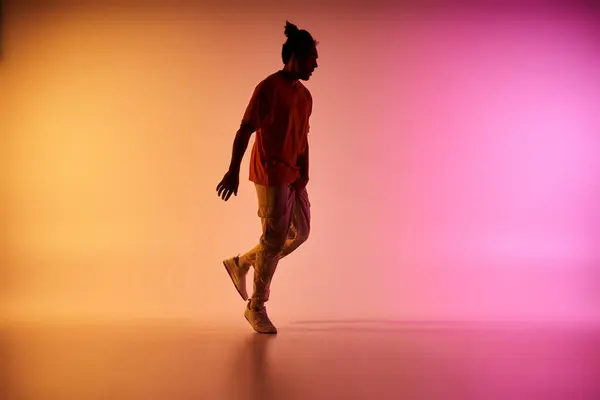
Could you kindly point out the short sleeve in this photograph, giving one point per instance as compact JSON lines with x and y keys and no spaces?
{"x":260,"y":107}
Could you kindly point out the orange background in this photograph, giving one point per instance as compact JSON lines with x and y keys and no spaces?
{"x":454,"y":161}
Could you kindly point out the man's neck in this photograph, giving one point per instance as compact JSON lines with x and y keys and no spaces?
{"x":289,"y":76}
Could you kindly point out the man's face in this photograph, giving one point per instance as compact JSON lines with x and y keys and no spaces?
{"x":305,"y":65}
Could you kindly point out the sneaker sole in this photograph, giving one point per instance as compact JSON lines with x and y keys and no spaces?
{"x":233,"y":281}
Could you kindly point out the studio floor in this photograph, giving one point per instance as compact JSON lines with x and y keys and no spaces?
{"x":306,"y":360}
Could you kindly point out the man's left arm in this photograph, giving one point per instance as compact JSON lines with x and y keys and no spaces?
{"x":303,"y":164}
{"x":303,"y":158}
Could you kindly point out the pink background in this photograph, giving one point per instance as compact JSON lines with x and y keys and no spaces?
{"x":455,"y":161}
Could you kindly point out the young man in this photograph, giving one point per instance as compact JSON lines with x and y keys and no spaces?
{"x":279,"y":113}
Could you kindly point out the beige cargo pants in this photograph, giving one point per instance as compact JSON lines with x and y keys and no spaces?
{"x":285,"y":216}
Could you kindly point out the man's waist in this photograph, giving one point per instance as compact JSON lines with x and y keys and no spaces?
{"x":276,"y":161}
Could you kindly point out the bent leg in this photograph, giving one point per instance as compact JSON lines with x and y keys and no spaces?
{"x":275,"y":205}
{"x":300,"y":227}
{"x":298,"y":232}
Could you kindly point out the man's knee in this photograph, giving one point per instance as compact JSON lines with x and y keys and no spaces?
{"x":273,"y":245}
{"x":302,"y":236}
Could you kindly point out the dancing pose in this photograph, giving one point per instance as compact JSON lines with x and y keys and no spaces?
{"x":279,"y":112}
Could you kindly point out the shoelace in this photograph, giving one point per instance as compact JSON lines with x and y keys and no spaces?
{"x":261,"y":312}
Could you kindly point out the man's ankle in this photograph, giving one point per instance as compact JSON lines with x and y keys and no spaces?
{"x":256,"y":304}
{"x":244,"y":263}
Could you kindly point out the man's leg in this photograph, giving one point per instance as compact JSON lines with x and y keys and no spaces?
{"x":300,"y":227}
{"x":275,"y":206}
{"x":298,"y":232}
{"x":267,"y":197}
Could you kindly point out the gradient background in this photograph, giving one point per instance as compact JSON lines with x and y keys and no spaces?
{"x":455,"y":160}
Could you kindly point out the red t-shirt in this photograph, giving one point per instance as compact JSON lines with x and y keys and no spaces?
{"x":278,"y":111}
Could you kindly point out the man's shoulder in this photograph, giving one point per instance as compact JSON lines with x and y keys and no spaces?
{"x":274,"y":79}
{"x":271,"y":79}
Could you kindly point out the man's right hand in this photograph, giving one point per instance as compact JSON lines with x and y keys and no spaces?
{"x":229,"y":185}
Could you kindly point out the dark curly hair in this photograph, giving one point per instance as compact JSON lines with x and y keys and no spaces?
{"x":299,"y":42}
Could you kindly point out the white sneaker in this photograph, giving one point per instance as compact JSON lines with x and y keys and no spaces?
{"x":237,"y":275}
{"x":258,"y":318}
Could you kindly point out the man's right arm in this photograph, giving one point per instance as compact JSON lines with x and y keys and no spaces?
{"x":257,"y":113}
{"x":240,"y":144}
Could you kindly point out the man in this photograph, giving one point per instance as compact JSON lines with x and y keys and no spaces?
{"x":279,"y":112}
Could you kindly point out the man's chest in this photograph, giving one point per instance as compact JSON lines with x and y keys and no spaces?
{"x":292,"y":103}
